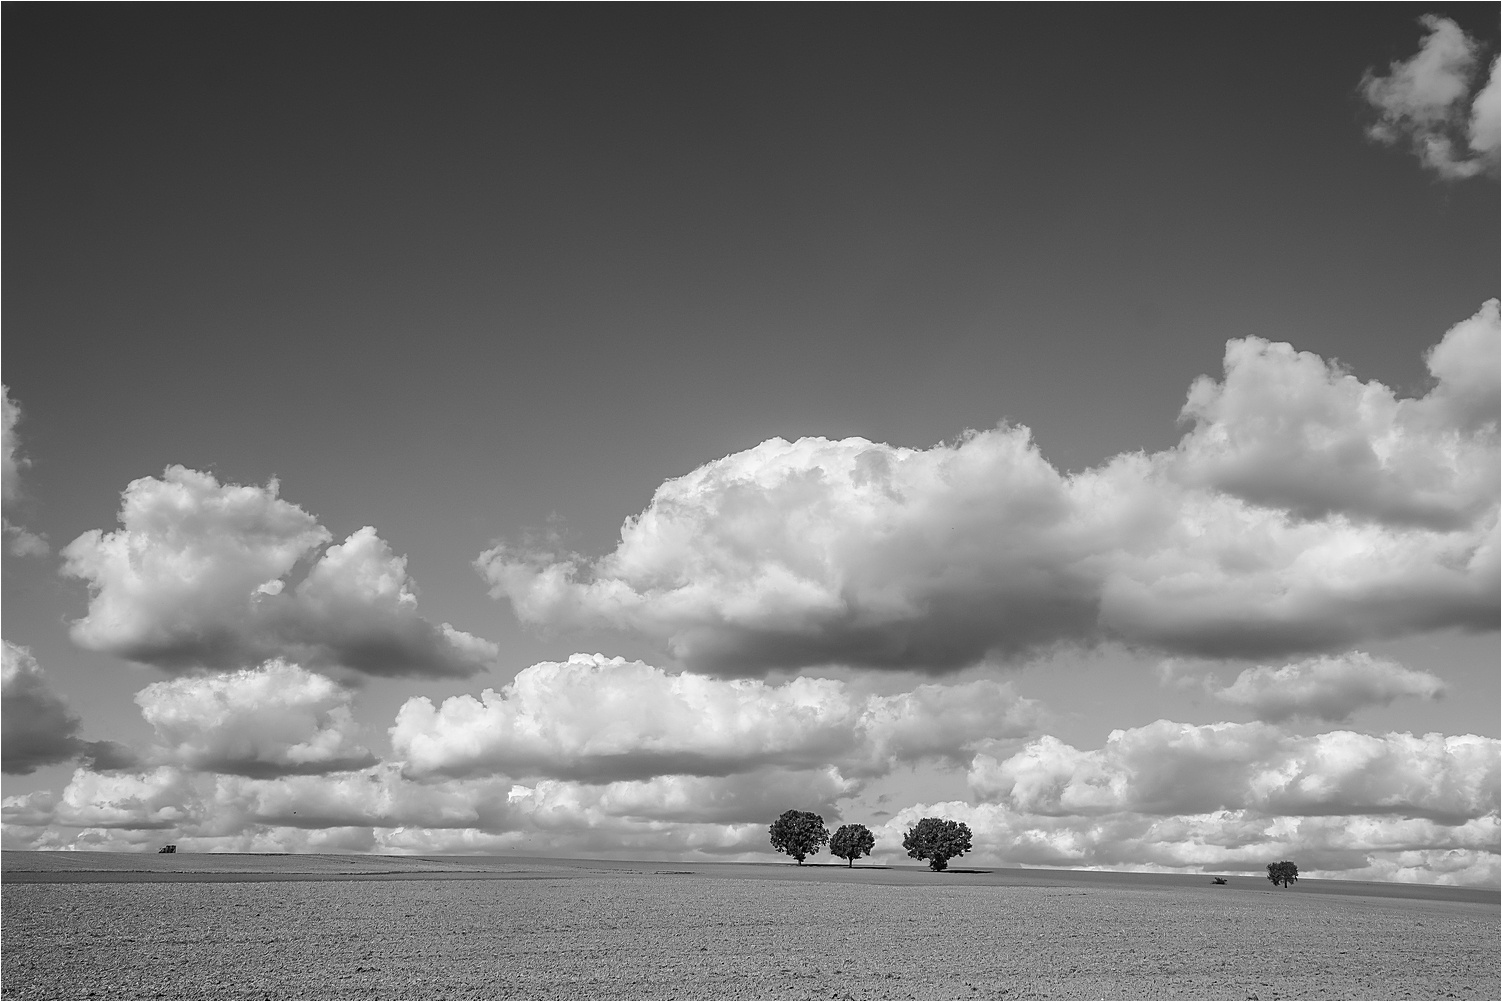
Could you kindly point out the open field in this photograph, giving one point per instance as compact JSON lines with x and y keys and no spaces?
{"x":85,"y":925}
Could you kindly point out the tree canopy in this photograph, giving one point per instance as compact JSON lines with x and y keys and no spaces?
{"x":937,"y":841}
{"x":851,"y":842}
{"x":1283,"y":873}
{"x":799,"y":834}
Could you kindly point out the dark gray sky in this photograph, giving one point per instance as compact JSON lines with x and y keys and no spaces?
{"x":465,"y":274}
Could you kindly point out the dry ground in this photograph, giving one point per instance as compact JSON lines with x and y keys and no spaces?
{"x":378,"y":927}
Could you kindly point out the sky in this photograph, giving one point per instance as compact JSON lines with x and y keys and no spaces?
{"x":585,"y":433}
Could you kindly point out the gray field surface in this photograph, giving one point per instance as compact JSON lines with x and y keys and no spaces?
{"x":108,"y":925}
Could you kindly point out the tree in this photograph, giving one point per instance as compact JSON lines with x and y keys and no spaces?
{"x":852,"y":842}
{"x":937,"y":841}
{"x":1283,"y":873}
{"x":799,"y":834}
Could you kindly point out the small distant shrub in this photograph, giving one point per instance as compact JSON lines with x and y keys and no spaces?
{"x":1283,"y":873}
{"x":799,"y":834}
{"x":937,"y":841}
{"x":852,"y":842}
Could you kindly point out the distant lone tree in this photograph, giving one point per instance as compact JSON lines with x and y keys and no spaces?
{"x":1283,"y":873}
{"x":937,"y":841}
{"x":799,"y":834}
{"x":852,"y":842}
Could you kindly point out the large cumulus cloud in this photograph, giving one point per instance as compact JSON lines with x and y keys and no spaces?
{"x":1436,"y":103}
{"x":604,"y":719}
{"x":1304,"y":511}
{"x":198,"y":576}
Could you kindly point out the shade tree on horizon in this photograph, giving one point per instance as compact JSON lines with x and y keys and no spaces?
{"x":800,"y":834}
{"x":937,"y":840}
{"x":851,"y":842}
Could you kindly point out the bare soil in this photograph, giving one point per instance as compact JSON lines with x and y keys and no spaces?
{"x":224,"y":926}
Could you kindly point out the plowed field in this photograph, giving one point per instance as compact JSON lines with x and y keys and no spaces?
{"x":459,"y":930}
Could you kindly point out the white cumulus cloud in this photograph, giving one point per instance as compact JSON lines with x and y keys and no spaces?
{"x":276,"y":719}
{"x":1305,"y":511}
{"x":1288,"y":430}
{"x":198,"y":577}
{"x":604,"y":719}
{"x":161,"y":798}
{"x":1430,"y":102}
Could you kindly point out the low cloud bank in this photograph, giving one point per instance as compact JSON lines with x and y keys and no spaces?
{"x":199,"y":576}
{"x":1304,"y":511}
{"x":1168,"y":768}
{"x":605,"y":756}
{"x":1236,"y":796}
{"x":1349,"y":847}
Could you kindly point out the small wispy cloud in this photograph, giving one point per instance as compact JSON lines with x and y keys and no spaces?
{"x":19,"y":540}
{"x":1328,"y":688}
{"x":1430,"y":103}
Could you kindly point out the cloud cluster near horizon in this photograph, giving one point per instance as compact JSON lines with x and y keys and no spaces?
{"x":604,"y":755}
{"x":595,"y":753}
{"x":1233,"y":796}
{"x":1431,"y":103}
{"x":199,"y":577}
{"x":1304,"y":511}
